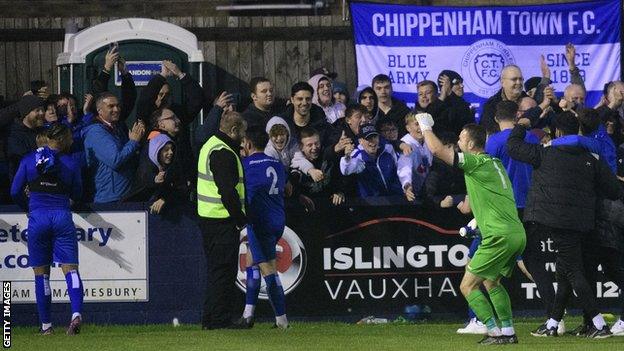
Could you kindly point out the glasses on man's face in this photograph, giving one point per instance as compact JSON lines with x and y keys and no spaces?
{"x":515,"y":79}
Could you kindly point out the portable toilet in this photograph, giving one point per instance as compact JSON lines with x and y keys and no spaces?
{"x":142,"y":42}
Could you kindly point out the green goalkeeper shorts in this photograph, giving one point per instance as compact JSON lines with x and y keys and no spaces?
{"x":497,"y":255}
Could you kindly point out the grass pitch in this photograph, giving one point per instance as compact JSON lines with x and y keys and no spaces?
{"x":301,"y":336}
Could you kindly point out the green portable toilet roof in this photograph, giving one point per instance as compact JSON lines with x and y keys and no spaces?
{"x":78,"y":45}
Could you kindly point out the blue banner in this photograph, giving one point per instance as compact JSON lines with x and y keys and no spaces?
{"x":414,"y":43}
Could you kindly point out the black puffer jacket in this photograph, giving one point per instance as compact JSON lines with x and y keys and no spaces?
{"x":566,"y":183}
{"x":609,"y":225}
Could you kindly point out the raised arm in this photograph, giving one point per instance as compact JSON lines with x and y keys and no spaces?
{"x":433,"y":143}
{"x":520,"y":150}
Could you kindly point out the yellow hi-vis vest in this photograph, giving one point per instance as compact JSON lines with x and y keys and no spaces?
{"x":208,"y":199}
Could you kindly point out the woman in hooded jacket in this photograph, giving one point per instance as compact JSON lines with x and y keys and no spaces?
{"x":324,"y":97}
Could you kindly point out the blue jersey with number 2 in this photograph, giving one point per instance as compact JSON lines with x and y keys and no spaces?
{"x":264,"y":183}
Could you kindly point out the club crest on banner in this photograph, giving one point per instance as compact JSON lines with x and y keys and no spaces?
{"x":482,"y":64}
{"x":291,"y":259}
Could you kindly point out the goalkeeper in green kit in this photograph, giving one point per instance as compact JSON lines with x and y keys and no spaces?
{"x":503,"y":237}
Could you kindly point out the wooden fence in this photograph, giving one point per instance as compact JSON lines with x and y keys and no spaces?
{"x":282,"y":48}
{"x":237,"y":48}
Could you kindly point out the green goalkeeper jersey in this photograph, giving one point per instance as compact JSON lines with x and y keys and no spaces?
{"x":490,"y":195}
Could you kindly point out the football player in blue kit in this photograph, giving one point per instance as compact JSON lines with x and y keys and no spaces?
{"x":265,"y":178}
{"x":45,"y":183}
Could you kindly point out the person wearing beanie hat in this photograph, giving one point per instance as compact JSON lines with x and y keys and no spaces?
{"x":341,"y":94}
{"x":23,"y":132}
{"x":28,"y":107}
{"x":530,"y":86}
{"x":453,"y":76}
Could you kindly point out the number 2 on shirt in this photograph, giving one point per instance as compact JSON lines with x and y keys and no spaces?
{"x":271,"y":173}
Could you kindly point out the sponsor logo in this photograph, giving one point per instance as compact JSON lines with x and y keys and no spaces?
{"x":482,"y":65}
{"x":290,"y":257}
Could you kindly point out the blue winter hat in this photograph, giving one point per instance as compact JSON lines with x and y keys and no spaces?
{"x":340,"y":87}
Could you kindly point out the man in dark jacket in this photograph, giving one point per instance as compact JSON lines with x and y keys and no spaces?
{"x":457,"y":110}
{"x":428,"y":102}
{"x":389,"y":107}
{"x":23,"y":132}
{"x":511,"y":89}
{"x":562,"y":199}
{"x":263,"y":105}
{"x":303,"y":113}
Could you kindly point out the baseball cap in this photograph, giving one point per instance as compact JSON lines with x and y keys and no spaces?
{"x":367,"y":130}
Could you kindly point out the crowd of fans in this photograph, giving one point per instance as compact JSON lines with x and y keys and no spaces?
{"x":334,"y":145}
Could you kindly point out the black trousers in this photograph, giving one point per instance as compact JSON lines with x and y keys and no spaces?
{"x":570,"y":273}
{"x":535,"y":261}
{"x":221,"y":249}
{"x":612,"y":262}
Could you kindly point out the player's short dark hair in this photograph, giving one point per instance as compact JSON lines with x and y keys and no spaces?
{"x":307,"y":132}
{"x":506,"y":110}
{"x":447,"y":138}
{"x":567,"y":123}
{"x":58,"y":134}
{"x":301,"y":86}
{"x":380,"y":78}
{"x":253,"y":83}
{"x":589,"y":120}
{"x":477,"y":134}
{"x":353,"y":109}
{"x":258,"y":136}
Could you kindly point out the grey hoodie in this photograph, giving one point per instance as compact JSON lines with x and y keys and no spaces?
{"x":292,"y":146}
{"x":335,"y":110}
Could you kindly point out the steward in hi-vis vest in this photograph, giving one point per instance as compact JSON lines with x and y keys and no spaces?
{"x":221,"y":210}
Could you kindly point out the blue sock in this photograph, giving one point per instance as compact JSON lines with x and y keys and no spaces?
{"x":44,"y":297}
{"x":253,"y":285}
{"x":471,"y":313}
{"x":74,"y":288}
{"x":276,"y":294}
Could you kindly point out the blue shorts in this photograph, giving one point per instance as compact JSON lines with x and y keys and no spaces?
{"x":51,"y":237}
{"x":474,"y":246}
{"x":262,"y":244}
